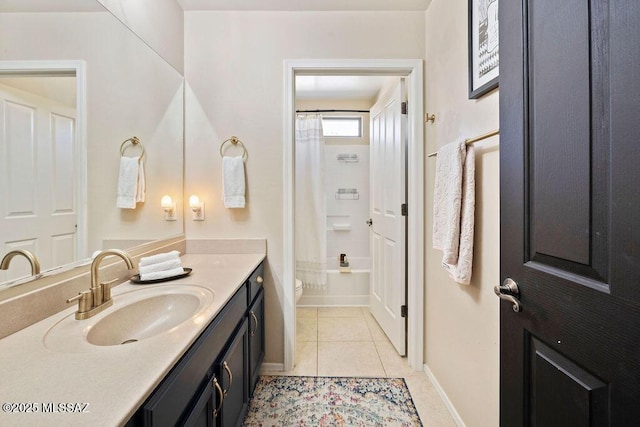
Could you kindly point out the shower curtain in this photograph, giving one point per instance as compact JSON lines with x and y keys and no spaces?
{"x":310,"y":206}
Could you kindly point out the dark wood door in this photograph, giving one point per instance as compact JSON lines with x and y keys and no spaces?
{"x":570,"y":212}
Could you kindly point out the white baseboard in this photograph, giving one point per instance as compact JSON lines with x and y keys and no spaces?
{"x":333,"y":301}
{"x":272,"y":367}
{"x":452,"y":410}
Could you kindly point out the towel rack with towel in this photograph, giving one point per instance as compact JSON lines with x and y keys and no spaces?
{"x":131,"y":180}
{"x":134,"y":141}
{"x":472,"y":140}
{"x":235,"y":141}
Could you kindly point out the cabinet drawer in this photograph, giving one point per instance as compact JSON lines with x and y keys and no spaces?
{"x":255,"y":282}
{"x":177,"y":393}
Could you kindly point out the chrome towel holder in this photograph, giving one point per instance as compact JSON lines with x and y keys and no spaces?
{"x":235,"y":141}
{"x":134,"y":141}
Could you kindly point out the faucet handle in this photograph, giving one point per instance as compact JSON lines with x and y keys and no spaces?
{"x":84,"y":301}
{"x":106,"y":289}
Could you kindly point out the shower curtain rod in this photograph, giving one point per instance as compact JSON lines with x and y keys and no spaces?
{"x":332,"y":111}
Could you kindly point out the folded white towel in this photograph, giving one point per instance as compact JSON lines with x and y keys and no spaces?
{"x":131,"y":185}
{"x":160,"y":266}
{"x":453,"y":209}
{"x":233,"y":182}
{"x":155,"y":259}
{"x":162,"y":274}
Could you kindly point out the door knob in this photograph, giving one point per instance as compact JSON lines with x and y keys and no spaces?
{"x":369,"y":222}
{"x":509,"y":291}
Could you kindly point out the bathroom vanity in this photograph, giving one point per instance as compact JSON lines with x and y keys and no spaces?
{"x":213,"y":381}
{"x":200,"y":371}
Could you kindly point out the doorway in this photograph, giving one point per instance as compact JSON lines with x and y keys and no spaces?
{"x":412,"y":71}
{"x":44,"y":172}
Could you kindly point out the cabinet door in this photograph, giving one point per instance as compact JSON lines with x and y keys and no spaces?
{"x":206,"y":406}
{"x":232,"y":370}
{"x":256,"y":340}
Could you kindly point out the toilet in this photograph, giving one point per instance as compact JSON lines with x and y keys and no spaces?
{"x":298,"y":289}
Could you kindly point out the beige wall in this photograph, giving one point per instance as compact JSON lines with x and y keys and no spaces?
{"x":461,"y":323}
{"x":130,"y":91}
{"x":235,"y":72}
{"x":160,"y":23}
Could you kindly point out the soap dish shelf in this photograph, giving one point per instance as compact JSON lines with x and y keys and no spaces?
{"x":347,"y":194}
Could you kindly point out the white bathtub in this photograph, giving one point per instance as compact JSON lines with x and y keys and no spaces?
{"x":343,"y":289}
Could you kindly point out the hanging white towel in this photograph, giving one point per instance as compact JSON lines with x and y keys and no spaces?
{"x":131,"y":184}
{"x":233,"y":182}
{"x":453,"y":209}
{"x":158,"y":258}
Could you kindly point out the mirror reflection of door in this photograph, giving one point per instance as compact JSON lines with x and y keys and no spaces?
{"x":38,"y":202}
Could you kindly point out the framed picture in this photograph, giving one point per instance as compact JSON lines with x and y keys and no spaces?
{"x":483,"y":47}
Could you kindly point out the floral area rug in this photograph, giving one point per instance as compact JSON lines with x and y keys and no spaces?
{"x":323,"y":401}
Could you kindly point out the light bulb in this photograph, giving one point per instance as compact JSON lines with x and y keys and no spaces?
{"x":166,"y":202}
{"x":194,"y":202}
{"x":169,"y":208}
{"x":197,"y":207}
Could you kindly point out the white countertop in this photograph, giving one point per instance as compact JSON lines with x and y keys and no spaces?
{"x":110,"y":383}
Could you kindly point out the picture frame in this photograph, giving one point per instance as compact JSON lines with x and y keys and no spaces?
{"x":483,"y":47}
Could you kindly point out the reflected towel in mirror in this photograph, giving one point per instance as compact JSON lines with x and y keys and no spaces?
{"x":131,"y":183}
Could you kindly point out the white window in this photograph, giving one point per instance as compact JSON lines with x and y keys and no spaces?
{"x":344,"y":127}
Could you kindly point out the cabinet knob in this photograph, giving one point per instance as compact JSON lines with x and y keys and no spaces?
{"x":259,"y":279}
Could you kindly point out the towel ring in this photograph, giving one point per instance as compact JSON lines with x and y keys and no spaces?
{"x":134,"y":141}
{"x":235,"y":141}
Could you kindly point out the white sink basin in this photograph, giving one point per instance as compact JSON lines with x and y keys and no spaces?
{"x":136,"y":315}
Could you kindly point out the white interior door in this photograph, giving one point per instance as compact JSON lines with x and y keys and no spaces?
{"x":388,"y":136}
{"x":37,"y":176}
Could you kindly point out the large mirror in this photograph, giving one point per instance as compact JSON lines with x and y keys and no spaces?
{"x":75,"y":83}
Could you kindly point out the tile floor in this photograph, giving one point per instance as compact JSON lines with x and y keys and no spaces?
{"x":347,"y":341}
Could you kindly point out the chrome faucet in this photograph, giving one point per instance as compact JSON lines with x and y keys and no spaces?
{"x":35,"y":264}
{"x":98,"y":297}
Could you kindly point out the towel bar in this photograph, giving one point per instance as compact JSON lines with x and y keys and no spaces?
{"x":473,"y":140}
{"x":235,"y":141}
{"x":134,"y":141}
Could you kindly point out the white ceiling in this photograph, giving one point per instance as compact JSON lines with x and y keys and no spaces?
{"x":339,"y":87}
{"x":304,"y":5}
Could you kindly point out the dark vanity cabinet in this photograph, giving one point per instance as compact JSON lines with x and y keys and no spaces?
{"x":232,"y":373}
{"x":212,"y":384}
{"x":256,"y":339}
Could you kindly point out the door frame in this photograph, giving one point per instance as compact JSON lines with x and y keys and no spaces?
{"x":62,"y":68}
{"x":412,"y":70}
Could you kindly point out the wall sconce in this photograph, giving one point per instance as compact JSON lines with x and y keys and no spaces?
{"x":197,"y":207}
{"x":169,"y":207}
